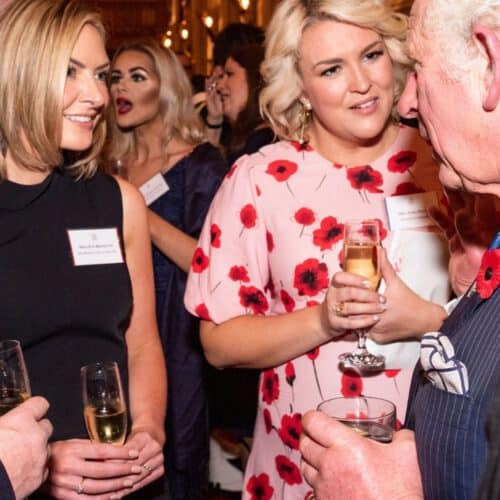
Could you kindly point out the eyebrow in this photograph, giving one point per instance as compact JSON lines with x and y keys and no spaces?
{"x":82,"y":66}
{"x":337,"y":60}
{"x":135,"y":68}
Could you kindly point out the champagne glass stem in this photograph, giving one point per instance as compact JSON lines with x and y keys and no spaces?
{"x":361,"y":333}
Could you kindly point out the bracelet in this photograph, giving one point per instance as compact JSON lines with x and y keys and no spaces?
{"x":213,"y":125}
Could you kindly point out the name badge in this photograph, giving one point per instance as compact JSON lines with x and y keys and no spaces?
{"x":153,"y":188}
{"x":410,"y":211}
{"x":92,"y":247}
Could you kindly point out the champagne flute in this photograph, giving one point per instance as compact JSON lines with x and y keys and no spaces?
{"x":14,"y":381}
{"x":371,"y":417}
{"x":361,"y":243}
{"x":104,"y":406}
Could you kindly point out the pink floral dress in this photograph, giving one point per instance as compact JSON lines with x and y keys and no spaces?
{"x":271,"y":242}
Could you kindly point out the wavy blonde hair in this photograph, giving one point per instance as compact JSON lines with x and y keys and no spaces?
{"x":280,"y":98}
{"x":180,"y":118}
{"x":36,"y":39}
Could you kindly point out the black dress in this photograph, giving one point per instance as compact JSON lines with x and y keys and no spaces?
{"x":64,"y":315}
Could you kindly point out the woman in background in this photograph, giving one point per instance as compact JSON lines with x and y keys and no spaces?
{"x":157,"y":138}
{"x":68,"y":305}
{"x":333,"y":71}
{"x":234,"y":95}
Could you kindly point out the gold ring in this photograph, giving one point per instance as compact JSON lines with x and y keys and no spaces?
{"x":339,"y":309}
{"x":147,"y":467}
{"x":79,"y":490}
{"x":311,"y":496}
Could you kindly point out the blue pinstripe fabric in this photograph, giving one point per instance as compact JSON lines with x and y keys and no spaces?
{"x":450,"y":429}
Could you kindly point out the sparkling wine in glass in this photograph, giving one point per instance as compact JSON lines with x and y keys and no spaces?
{"x":371,"y":417}
{"x":14,"y":381}
{"x":361,"y":245}
{"x":104,"y":407}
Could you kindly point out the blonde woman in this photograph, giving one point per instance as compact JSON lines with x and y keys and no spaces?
{"x":156,"y":136}
{"x":74,"y":248}
{"x":334,"y":70}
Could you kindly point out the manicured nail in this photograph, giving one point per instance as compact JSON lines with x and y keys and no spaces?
{"x":127,"y":483}
{"x":382,"y":307}
{"x":133,"y":453}
{"x":136,"y":469}
{"x":367,"y":284}
{"x":114,"y":496}
{"x":376,"y":318}
{"x":382,"y":299}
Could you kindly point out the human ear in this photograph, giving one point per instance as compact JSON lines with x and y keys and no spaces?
{"x":489,"y":44}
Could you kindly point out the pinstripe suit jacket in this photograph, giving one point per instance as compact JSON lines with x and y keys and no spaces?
{"x":450,"y":430}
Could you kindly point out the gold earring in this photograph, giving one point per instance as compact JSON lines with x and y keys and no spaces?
{"x":305,"y":116}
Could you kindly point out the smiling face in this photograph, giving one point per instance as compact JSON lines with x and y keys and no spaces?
{"x":85,"y":92}
{"x":347,"y":77}
{"x":135,"y":89}
{"x":233,"y":88}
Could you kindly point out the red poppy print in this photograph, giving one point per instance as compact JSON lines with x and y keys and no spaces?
{"x":352,"y":384}
{"x":239,"y":273}
{"x":305,"y":216}
{"x":254,"y":299}
{"x":202,"y":312}
{"x":215,"y":233}
{"x":288,"y":470}
{"x":270,"y":288}
{"x":269,"y":241}
{"x":281,"y":170}
{"x":200,"y":261}
{"x":312,"y":303}
{"x":248,"y":216}
{"x":338,"y":166}
{"x":268,"y":422}
{"x":287,"y":301}
{"x":258,"y":191}
{"x":488,"y":278}
{"x":369,"y":232}
{"x":401,"y":162}
{"x":365,"y":178}
{"x":310,"y":277}
{"x":313,"y":353}
{"x":290,"y":430}
{"x":305,"y":146}
{"x":259,"y":488}
{"x":407,"y":188}
{"x":270,"y":386}
{"x":290,"y":373}
{"x":329,"y":233}
{"x":391,"y":373}
{"x":231,"y":171}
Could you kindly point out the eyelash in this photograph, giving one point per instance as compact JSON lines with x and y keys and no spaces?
{"x":371,"y":56}
{"x":71,"y":73}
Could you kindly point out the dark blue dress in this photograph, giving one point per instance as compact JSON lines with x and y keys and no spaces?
{"x":192,"y":183}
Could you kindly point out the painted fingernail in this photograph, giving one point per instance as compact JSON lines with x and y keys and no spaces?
{"x":382,"y":307}
{"x":127,"y":483}
{"x":382,"y":299}
{"x":136,"y":469}
{"x":367,"y":284}
{"x":376,"y":318}
{"x":133,"y":453}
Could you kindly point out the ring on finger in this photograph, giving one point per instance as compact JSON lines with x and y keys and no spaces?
{"x":311,"y":496}
{"x":148,"y":468}
{"x":79,"y":489}
{"x":339,"y":309}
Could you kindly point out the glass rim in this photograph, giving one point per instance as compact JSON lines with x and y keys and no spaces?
{"x":391,"y":405}
{"x":99,"y":364}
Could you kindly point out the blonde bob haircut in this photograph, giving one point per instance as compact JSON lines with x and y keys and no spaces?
{"x":179,"y":116}
{"x":36,"y":39}
{"x":280,"y":98}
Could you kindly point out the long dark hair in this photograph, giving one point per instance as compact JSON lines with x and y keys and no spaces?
{"x":250,"y":58}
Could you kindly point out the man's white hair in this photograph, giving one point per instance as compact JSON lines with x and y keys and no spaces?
{"x":451,"y":22}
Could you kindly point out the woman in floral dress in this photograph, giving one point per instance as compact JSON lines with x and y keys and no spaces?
{"x":272,"y":240}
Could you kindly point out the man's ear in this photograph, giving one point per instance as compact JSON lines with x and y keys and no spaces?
{"x":489,"y":44}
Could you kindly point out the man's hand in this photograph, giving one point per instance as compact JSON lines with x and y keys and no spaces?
{"x":23,"y":445}
{"x":339,"y":463}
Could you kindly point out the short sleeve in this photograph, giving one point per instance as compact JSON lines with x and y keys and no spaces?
{"x":230,"y":272}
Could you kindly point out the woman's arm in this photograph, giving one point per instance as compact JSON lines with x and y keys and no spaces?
{"x":174,"y":243}
{"x":264,"y":341}
{"x":146,"y":363}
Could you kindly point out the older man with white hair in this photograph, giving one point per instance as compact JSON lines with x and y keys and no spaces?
{"x":455,"y":91}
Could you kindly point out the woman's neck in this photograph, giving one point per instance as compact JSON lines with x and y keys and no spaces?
{"x":21,"y":175}
{"x":350,"y":153}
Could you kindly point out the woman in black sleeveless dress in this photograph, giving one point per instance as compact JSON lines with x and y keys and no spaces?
{"x":75,"y":260}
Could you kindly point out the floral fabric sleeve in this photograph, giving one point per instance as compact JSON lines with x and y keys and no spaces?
{"x":229,"y":272}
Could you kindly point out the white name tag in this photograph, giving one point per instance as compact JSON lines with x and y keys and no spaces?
{"x":153,"y":188}
{"x":410,"y":211}
{"x":92,"y":247}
